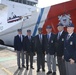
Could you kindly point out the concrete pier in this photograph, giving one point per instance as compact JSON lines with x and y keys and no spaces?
{"x":8,"y":64}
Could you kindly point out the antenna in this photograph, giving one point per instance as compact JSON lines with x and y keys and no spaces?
{"x":23,"y":22}
{"x":25,"y":18}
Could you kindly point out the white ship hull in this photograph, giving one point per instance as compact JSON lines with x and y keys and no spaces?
{"x":35,"y":20}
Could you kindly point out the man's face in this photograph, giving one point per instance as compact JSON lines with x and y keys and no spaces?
{"x":29,"y":33}
{"x":19,"y":32}
{"x":40,"y":31}
{"x":60,"y":28}
{"x":48,"y":30}
{"x":70,"y":30}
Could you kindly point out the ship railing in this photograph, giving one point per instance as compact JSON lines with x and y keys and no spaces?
{"x":14,"y":19}
{"x":17,"y":18}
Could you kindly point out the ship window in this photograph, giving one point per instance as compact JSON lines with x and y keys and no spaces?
{"x":20,"y":1}
{"x":30,"y":3}
{"x":11,"y":0}
{"x":16,"y":0}
{"x":33,"y":4}
{"x":24,"y":1}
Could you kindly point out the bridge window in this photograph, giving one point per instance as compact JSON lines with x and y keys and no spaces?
{"x":24,"y":2}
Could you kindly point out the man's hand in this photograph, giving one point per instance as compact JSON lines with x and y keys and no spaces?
{"x":15,"y":50}
{"x":55,"y":54}
{"x":63,"y":57}
{"x":72,"y":61}
{"x":24,"y":52}
{"x":34,"y":53}
{"x":45,"y":52}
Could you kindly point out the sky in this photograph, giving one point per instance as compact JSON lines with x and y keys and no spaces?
{"x":45,"y":3}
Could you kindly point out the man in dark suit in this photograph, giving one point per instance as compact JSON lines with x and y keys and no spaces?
{"x":49,"y":46}
{"x":28,"y":45}
{"x":39,"y":44}
{"x":60,"y":48}
{"x":18,"y":46}
{"x":70,"y":50}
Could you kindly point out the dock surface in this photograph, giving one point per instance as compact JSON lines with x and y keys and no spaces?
{"x":8,"y":64}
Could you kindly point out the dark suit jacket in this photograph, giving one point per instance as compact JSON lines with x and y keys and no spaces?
{"x":28,"y":45}
{"x":18,"y":45}
{"x":59,"y":44}
{"x":49,"y":46}
{"x":39,"y":46}
{"x":70,"y":47}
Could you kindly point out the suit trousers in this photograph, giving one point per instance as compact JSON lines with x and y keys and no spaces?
{"x":70,"y":68}
{"x":51,"y":62}
{"x":61,"y":65}
{"x":29,"y":56}
{"x":20,"y":54}
{"x":40,"y":61}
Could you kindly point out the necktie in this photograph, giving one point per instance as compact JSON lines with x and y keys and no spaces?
{"x":29,"y":38}
{"x":68,"y":36}
{"x":40,"y":38}
{"x":20,"y":38}
{"x":58,"y":36}
{"x":48,"y":37}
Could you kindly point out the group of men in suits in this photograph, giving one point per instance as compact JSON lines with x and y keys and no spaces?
{"x":62,"y":45}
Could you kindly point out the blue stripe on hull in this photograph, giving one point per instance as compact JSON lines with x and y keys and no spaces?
{"x":38,"y":21}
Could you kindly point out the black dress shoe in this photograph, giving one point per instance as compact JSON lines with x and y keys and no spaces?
{"x":54,"y":73}
{"x":19,"y":67}
{"x":49,"y":72}
{"x":43,"y":70}
{"x":38,"y":70}
{"x":32,"y":68}
{"x":23,"y":66}
{"x":26,"y":68}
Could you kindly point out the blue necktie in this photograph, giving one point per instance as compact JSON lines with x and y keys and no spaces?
{"x":48,"y":37}
{"x":68,"y":36}
{"x":58,"y":36}
{"x":29,"y":38}
{"x":40,"y":38}
{"x":20,"y":38}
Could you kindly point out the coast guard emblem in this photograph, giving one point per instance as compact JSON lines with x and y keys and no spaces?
{"x":65,"y":19}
